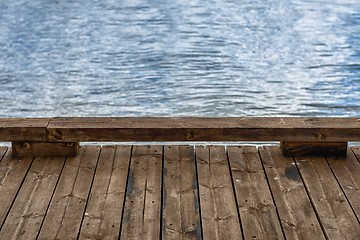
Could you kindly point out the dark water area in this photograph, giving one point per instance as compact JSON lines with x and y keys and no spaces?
{"x":179,"y":58}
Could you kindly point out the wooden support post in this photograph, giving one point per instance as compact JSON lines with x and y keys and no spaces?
{"x":44,"y":149}
{"x":325,"y":149}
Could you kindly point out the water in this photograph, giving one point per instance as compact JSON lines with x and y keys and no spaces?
{"x":179,"y":58}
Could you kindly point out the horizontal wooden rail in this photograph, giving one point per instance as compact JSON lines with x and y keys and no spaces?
{"x":94,"y":129}
{"x":155,"y":129}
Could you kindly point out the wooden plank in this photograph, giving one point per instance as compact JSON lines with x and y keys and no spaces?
{"x":102,"y":218}
{"x":204,"y":129}
{"x":296,"y":213}
{"x":44,"y":149}
{"x":141,"y":218}
{"x":23,"y":129}
{"x":347,"y":174}
{"x":335,"y":214}
{"x":258,"y":214}
{"x":181,"y":218}
{"x":12,"y":174}
{"x":64,"y":216}
{"x":314,"y":149}
{"x":219,"y":215}
{"x":29,"y":208}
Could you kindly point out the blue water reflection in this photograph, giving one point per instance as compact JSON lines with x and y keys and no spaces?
{"x":172,"y":58}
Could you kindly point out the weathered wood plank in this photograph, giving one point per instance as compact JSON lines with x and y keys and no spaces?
{"x":28,"y":211}
{"x":64,"y":216}
{"x":314,"y":149}
{"x":296,"y":213}
{"x":3,"y":150}
{"x":141,"y":218}
{"x":181,"y":218}
{"x":258,"y":214}
{"x":103,"y":212}
{"x":204,"y":129}
{"x":347,"y":174}
{"x":4,"y":169}
{"x":23,"y":129}
{"x":44,"y":149}
{"x":335,"y":214}
{"x":12,"y":174}
{"x":220,"y":219}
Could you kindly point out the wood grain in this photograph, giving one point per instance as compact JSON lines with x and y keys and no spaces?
{"x":204,"y":129}
{"x":347,"y":174}
{"x":181,"y":218}
{"x":12,"y":174}
{"x":314,"y":149}
{"x":29,"y":208}
{"x":335,"y":214}
{"x":298,"y":218}
{"x":141,"y":218}
{"x":102,"y":218}
{"x":172,"y":192}
{"x":257,"y":209}
{"x":44,"y":149}
{"x":220,"y":219}
{"x":23,"y":129}
{"x":66,"y":210}
{"x":3,"y":150}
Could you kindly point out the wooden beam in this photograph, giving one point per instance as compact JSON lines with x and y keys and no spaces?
{"x":23,"y":129}
{"x":333,"y":149}
{"x":44,"y":149}
{"x":152,"y":129}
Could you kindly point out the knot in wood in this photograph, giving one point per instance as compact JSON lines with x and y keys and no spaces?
{"x":322,"y":137}
{"x":54,"y":135}
{"x":189,"y":135}
{"x":26,"y":145}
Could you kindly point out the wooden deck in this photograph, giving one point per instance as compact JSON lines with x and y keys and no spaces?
{"x":179,"y":192}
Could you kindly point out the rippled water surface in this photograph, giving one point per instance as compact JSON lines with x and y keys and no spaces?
{"x":179,"y":58}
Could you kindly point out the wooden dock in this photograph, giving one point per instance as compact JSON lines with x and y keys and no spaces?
{"x":307,"y":187}
{"x":179,"y":192}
